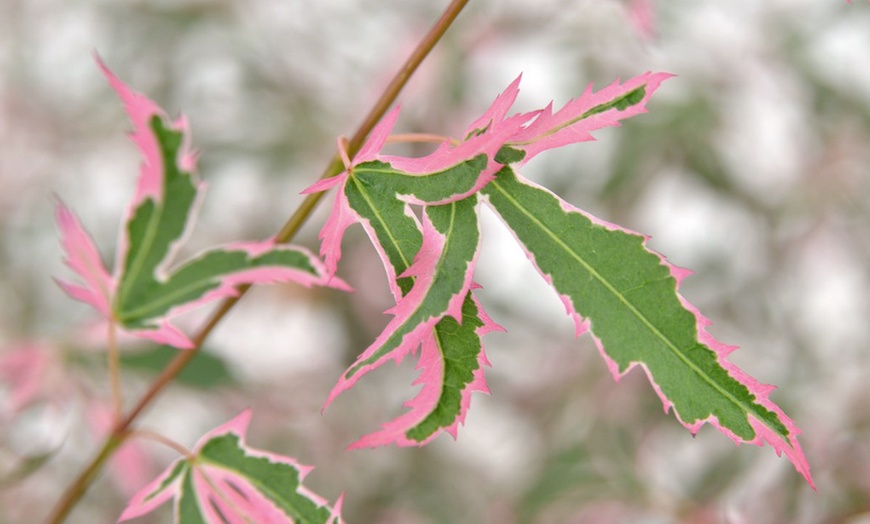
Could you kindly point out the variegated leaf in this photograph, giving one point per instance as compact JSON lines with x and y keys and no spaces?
{"x":627,"y":296}
{"x":145,"y":291}
{"x":225,"y":481}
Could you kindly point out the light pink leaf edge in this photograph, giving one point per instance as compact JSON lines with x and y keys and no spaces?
{"x":432,"y":378}
{"x":497,"y":129}
{"x":140,"y":109}
{"x":497,"y":112}
{"x":82,"y":256}
{"x":423,"y":269}
{"x":342,"y":215}
{"x":448,"y":155}
{"x":239,"y":427}
{"x":259,"y":275}
{"x":166,"y":333}
{"x":225,"y":497}
{"x":370,"y":150}
{"x":340,"y":218}
{"x":149,"y":498}
{"x":445,"y":156}
{"x":790,"y":447}
{"x":153,"y":495}
{"x":551,"y":130}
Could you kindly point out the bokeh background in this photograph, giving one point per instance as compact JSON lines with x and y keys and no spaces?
{"x":751,"y":168}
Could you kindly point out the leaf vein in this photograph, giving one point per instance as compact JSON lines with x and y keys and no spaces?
{"x":620,"y":296}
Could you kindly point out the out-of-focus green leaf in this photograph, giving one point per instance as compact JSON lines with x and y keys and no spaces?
{"x":205,"y":370}
{"x":25,"y":467}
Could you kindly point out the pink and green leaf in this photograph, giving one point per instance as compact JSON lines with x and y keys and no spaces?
{"x":392,"y":227}
{"x":586,"y":113}
{"x":497,"y":112}
{"x":145,"y":292}
{"x":372,"y":180}
{"x":442,"y":278}
{"x":215,"y":274}
{"x":452,"y":357}
{"x":225,"y":481}
{"x":452,"y":362}
{"x":84,"y":259}
{"x":627,"y":296}
{"x":607,"y":278}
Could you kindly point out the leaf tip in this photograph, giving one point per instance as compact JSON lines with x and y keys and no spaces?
{"x":789,"y":445}
{"x":81,"y":256}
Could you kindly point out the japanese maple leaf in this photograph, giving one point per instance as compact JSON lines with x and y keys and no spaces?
{"x":420,"y":256}
{"x":611,"y":284}
{"x":145,"y":291}
{"x":627,"y":296}
{"x":225,"y":481}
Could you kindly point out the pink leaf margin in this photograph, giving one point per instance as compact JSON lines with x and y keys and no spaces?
{"x":239,"y":426}
{"x":431,"y":377}
{"x":166,"y":333}
{"x":551,"y":130}
{"x":265,"y":274}
{"x":151,"y":496}
{"x":448,"y":155}
{"x":140,"y":109}
{"x":497,"y":112}
{"x":154,"y":494}
{"x":763,"y":433}
{"x":423,"y":269}
{"x":370,"y":150}
{"x":342,"y":215}
{"x":790,"y":447}
{"x":82,"y":256}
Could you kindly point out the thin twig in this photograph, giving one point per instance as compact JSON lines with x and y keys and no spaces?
{"x":166,"y":441}
{"x":121,"y":428}
{"x":114,"y":371}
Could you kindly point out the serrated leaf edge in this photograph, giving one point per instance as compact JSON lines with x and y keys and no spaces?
{"x":791,"y":447}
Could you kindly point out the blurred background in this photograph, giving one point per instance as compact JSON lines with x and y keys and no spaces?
{"x":751,"y":168}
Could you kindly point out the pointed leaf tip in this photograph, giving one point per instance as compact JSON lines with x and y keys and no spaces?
{"x":442,"y":269}
{"x":628,"y":294}
{"x":82,"y":256}
{"x":145,"y":291}
{"x":497,"y":112}
{"x":452,"y":363}
{"x":589,"y":112}
{"x":377,"y":138}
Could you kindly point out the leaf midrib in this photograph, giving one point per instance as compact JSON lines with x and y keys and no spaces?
{"x":401,"y":252}
{"x":131,"y":276}
{"x":361,"y":188}
{"x":438,"y":264}
{"x":169,"y":298}
{"x":737,"y":402}
{"x":283,"y":503}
